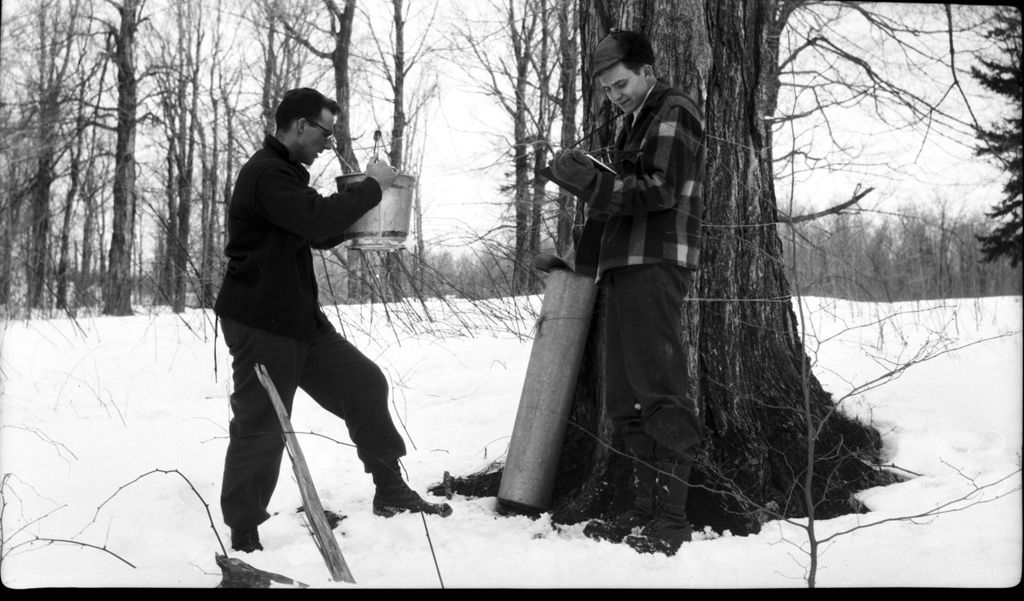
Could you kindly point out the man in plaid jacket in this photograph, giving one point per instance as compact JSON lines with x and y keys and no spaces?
{"x":641,"y":242}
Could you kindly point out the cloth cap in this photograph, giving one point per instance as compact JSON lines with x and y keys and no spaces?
{"x":608,"y":52}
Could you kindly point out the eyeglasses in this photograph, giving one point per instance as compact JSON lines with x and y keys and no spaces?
{"x":328,"y":134}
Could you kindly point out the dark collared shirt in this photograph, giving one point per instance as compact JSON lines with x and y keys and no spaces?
{"x":274,"y":218}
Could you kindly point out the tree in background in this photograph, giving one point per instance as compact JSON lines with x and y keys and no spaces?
{"x":512,"y":60}
{"x":13,"y":122}
{"x":81,"y":156}
{"x":103,"y":197}
{"x":217,"y":155}
{"x":569,"y":216}
{"x":283,"y":63}
{"x":1003,"y":141}
{"x":176,"y":72}
{"x":56,"y":30}
{"x":301,"y":28}
{"x":409,"y":77}
{"x":117,"y":291}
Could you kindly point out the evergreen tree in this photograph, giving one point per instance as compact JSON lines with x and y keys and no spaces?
{"x":1003,"y":141}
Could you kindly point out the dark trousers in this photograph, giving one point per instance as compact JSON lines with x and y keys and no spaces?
{"x":333,"y":372}
{"x":645,"y":365}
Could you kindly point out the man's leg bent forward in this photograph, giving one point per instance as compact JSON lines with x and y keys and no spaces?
{"x":348,"y":384}
{"x":342,"y":380}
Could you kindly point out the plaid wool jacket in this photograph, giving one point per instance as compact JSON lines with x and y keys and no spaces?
{"x":650,"y":212}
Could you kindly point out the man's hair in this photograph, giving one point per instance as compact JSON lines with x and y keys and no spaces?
{"x":631,"y":48}
{"x":302,"y":103}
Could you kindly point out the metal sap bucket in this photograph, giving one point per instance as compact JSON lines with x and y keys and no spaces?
{"x":385,"y":226}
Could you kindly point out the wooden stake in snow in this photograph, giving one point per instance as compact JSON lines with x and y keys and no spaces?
{"x":322,"y":534}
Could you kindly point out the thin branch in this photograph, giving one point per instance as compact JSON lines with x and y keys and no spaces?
{"x":835,"y":210}
{"x":163,"y":471}
{"x":944,"y":508}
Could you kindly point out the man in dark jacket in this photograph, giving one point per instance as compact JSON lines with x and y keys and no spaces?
{"x":270,"y":314}
{"x":641,"y":241}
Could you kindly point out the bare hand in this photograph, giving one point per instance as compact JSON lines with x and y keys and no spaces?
{"x":382,"y":172}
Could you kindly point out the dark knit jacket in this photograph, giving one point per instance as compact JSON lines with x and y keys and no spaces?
{"x":650,"y":212}
{"x":274,"y":218}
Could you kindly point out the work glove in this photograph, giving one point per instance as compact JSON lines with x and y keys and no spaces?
{"x":573,"y":167}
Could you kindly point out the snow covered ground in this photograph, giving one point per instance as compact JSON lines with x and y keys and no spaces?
{"x":91,"y":407}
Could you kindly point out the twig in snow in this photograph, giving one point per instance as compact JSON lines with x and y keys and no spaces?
{"x":187,"y":481}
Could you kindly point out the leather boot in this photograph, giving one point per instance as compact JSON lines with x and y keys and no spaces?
{"x":670,"y":527}
{"x":637,"y":516}
{"x":393,"y":495}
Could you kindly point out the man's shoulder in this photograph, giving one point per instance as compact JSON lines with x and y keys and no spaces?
{"x":689,"y":111}
{"x":677,"y":97}
{"x":263,"y":160}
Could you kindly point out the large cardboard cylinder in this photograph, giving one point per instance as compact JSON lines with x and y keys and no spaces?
{"x":555,"y":358}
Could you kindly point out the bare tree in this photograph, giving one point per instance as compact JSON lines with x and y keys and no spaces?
{"x":410,"y":86}
{"x":339,"y":34}
{"x":175,"y":69}
{"x":55,"y":25}
{"x":82,"y":154}
{"x":215,"y":152}
{"x":12,"y":175}
{"x":13,"y":122}
{"x":887,"y":68}
{"x":525,"y":32}
{"x":118,"y":286}
{"x":569,"y":216}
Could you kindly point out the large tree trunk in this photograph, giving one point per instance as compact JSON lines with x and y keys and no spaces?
{"x":749,"y":371}
{"x":117,"y":290}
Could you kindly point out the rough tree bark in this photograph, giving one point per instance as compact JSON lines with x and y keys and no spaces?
{"x":749,"y":371}
{"x":117,"y":290}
